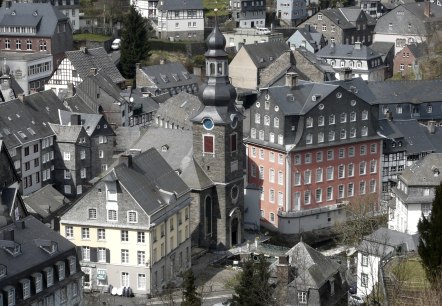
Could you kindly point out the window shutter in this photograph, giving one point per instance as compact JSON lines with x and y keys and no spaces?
{"x":107,"y":255}
{"x":79,"y":253}
{"x":208,"y":144}
{"x":94,"y":254}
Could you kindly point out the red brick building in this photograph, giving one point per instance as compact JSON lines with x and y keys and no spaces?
{"x":406,"y":61}
{"x":312,"y":147}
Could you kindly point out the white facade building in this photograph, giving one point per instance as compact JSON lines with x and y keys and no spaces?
{"x":147,"y":8}
{"x":291,"y":11}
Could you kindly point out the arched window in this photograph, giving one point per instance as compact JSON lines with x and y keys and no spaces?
{"x":208,"y":216}
{"x":212,"y":68}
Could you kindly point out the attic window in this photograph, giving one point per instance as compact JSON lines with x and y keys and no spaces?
{"x":165,"y":78}
{"x":13,"y":13}
{"x":3,"y":271}
{"x":11,"y":247}
{"x":30,"y":130}
{"x":22,"y":135}
{"x":35,"y":13}
{"x":186,"y":75}
{"x":164,"y":148}
{"x":176,"y":77}
{"x":48,"y":246}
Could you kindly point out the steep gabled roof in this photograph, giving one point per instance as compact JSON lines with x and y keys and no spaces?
{"x":175,"y":5}
{"x":85,"y":59}
{"x":67,"y":133}
{"x":169,"y":75}
{"x":263,"y":54}
{"x":150,"y":180}
{"x":418,"y":50}
{"x":313,"y":268}
{"x":45,"y":201}
{"x":43,"y":16}
{"x":347,"y":52}
{"x":180,"y":108}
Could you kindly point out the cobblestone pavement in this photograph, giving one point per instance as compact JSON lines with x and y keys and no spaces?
{"x":210,"y":280}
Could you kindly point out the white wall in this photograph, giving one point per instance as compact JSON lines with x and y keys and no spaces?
{"x":371,"y":269}
{"x":252,"y":212}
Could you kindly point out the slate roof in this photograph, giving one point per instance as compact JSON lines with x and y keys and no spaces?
{"x":422,"y":172}
{"x":85,"y":59}
{"x":20,"y":124}
{"x":384,"y":241}
{"x":126,"y":136}
{"x":32,"y":255}
{"x":317,"y":62}
{"x":347,"y":52}
{"x":263,"y":54}
{"x":418,"y":50}
{"x":345,"y":17}
{"x":313,"y":268}
{"x":178,"y":153}
{"x":311,"y":35}
{"x":76,"y":104}
{"x":169,"y":75}
{"x":45,"y":20}
{"x":45,"y":201}
{"x":104,"y":82}
{"x":44,"y":104}
{"x":382,"y":48}
{"x":179,"y":109}
{"x":174,"y":5}
{"x":150,"y":180}
{"x":66,"y":133}
{"x":396,"y":92}
{"x":88,"y":121}
{"x":415,"y":135}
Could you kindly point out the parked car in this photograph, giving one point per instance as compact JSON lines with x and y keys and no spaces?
{"x":116,"y":44}
{"x":355,"y":300}
{"x":260,"y":31}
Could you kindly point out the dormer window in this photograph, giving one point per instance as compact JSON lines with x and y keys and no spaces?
{"x":3,"y":271}
{"x":26,"y":285}
{"x":38,"y":282}
{"x":11,"y":247}
{"x":60,"y":270}
{"x":49,"y":276}
{"x":48,"y":246}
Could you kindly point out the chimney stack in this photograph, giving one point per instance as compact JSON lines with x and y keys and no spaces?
{"x":93,"y":71}
{"x":291,"y":79}
{"x":427,"y":8}
{"x":126,"y":159}
{"x":8,"y":234}
{"x":75,"y":119}
{"x":432,"y":127}
{"x":71,"y":89}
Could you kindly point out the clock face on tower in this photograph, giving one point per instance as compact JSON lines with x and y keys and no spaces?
{"x":208,"y":123}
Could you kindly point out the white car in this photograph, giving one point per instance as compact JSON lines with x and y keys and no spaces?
{"x":355,"y":300}
{"x":116,"y":44}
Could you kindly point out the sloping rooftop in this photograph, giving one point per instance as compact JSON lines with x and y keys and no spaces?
{"x":384,"y":241}
{"x":85,"y":59}
{"x":348,"y":52}
{"x":28,"y":232}
{"x":179,"y":109}
{"x":424,"y":172}
{"x":176,"y":146}
{"x":418,"y":50}
{"x":174,"y":5}
{"x":45,"y":201}
{"x":170,"y":75}
{"x":43,"y":16}
{"x":263,"y":54}
{"x":150,"y":180}
{"x":67,"y":133}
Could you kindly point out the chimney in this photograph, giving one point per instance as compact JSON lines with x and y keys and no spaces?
{"x":432,"y":127}
{"x":93,"y":71}
{"x":126,"y":159}
{"x":71,"y":89}
{"x":83,"y":49}
{"x":427,"y":9}
{"x":138,"y":66}
{"x":8,"y":234}
{"x":291,"y":79}
{"x":357,"y":45}
{"x":283,"y":270}
{"x":345,"y":74}
{"x":75,"y":119}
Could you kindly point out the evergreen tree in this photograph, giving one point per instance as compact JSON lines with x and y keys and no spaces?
{"x":190,"y":296}
{"x":134,"y":42}
{"x":430,"y":240}
{"x":253,"y":288}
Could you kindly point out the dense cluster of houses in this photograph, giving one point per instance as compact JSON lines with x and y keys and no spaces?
{"x":287,"y":136}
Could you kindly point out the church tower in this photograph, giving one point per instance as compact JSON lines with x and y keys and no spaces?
{"x":219,"y":151}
